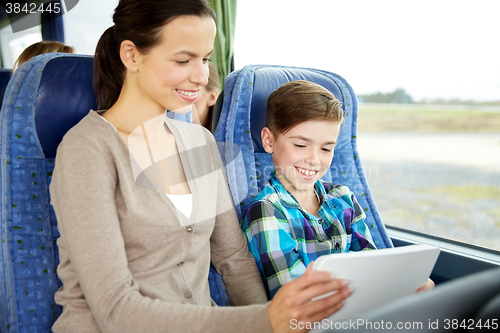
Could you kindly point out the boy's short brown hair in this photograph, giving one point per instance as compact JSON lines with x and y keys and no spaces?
{"x":299,"y":101}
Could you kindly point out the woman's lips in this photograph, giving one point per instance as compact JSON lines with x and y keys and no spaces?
{"x":188,"y":95}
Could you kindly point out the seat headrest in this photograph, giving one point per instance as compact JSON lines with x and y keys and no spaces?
{"x":65,"y":95}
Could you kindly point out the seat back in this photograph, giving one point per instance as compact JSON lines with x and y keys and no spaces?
{"x":45,"y":98}
{"x":243,"y":116}
{"x":34,"y":119}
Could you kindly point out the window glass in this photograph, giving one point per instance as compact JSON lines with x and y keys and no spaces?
{"x":86,"y":22}
{"x":427,"y":77}
{"x":83,"y":26}
{"x":13,"y":44}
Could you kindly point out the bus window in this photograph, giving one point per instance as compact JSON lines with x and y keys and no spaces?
{"x":13,"y":44}
{"x":86,"y":22}
{"x":83,"y":26}
{"x":431,"y":155}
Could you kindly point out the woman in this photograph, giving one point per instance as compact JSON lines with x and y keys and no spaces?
{"x":132,"y":258}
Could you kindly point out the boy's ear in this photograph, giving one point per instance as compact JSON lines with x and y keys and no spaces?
{"x":267,"y":140}
{"x":129,"y":55}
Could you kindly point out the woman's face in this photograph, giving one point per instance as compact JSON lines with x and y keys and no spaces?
{"x":172,"y":73}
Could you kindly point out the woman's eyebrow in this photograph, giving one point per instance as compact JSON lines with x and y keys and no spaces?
{"x":191,"y":54}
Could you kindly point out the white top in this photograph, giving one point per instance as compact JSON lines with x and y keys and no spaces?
{"x":183,"y":202}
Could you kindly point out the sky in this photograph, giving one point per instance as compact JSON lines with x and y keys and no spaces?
{"x":432,"y":49}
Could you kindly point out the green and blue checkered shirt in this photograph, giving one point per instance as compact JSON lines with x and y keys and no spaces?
{"x":284,"y":238}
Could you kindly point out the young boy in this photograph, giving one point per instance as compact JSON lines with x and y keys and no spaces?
{"x":298,"y":217}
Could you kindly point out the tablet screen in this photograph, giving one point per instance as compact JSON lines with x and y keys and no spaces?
{"x":379,"y":276}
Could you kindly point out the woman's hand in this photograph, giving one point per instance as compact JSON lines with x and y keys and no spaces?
{"x":292,"y":306}
{"x":427,"y":286}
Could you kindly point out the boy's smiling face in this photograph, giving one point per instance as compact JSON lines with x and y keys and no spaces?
{"x":303,"y":154}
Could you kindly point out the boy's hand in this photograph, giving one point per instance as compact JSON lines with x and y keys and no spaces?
{"x":428,"y":286}
{"x":292,"y":306}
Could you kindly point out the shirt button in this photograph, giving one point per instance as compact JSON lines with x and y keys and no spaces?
{"x":180,"y":264}
{"x":337,"y":246}
{"x":187,"y":295}
{"x":189,"y":229}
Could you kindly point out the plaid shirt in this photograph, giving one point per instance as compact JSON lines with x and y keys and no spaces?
{"x":284,"y":238}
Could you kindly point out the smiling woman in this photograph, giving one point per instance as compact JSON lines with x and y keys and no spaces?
{"x":142,"y":202}
{"x":166,"y":77}
{"x":143,"y":213}
{"x":175,"y":69}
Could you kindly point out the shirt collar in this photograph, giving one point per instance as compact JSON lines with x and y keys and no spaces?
{"x":288,"y":199}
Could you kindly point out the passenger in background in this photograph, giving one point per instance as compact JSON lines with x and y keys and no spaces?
{"x":205,"y":101}
{"x":41,"y":48}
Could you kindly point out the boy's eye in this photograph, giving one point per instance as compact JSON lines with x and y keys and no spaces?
{"x":182,"y":62}
{"x":299,"y":146}
{"x":327,"y":150}
{"x":205,"y":60}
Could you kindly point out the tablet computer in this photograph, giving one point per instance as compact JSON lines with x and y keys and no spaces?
{"x":379,"y":276}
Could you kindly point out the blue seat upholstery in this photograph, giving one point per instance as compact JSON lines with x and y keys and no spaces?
{"x":33,"y":121}
{"x":243,"y":116}
{"x":45,"y":97}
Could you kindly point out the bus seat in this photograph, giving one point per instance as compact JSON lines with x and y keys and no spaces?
{"x":243,"y":116}
{"x":45,"y":97}
{"x":5,"y":75}
{"x":490,"y":310}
